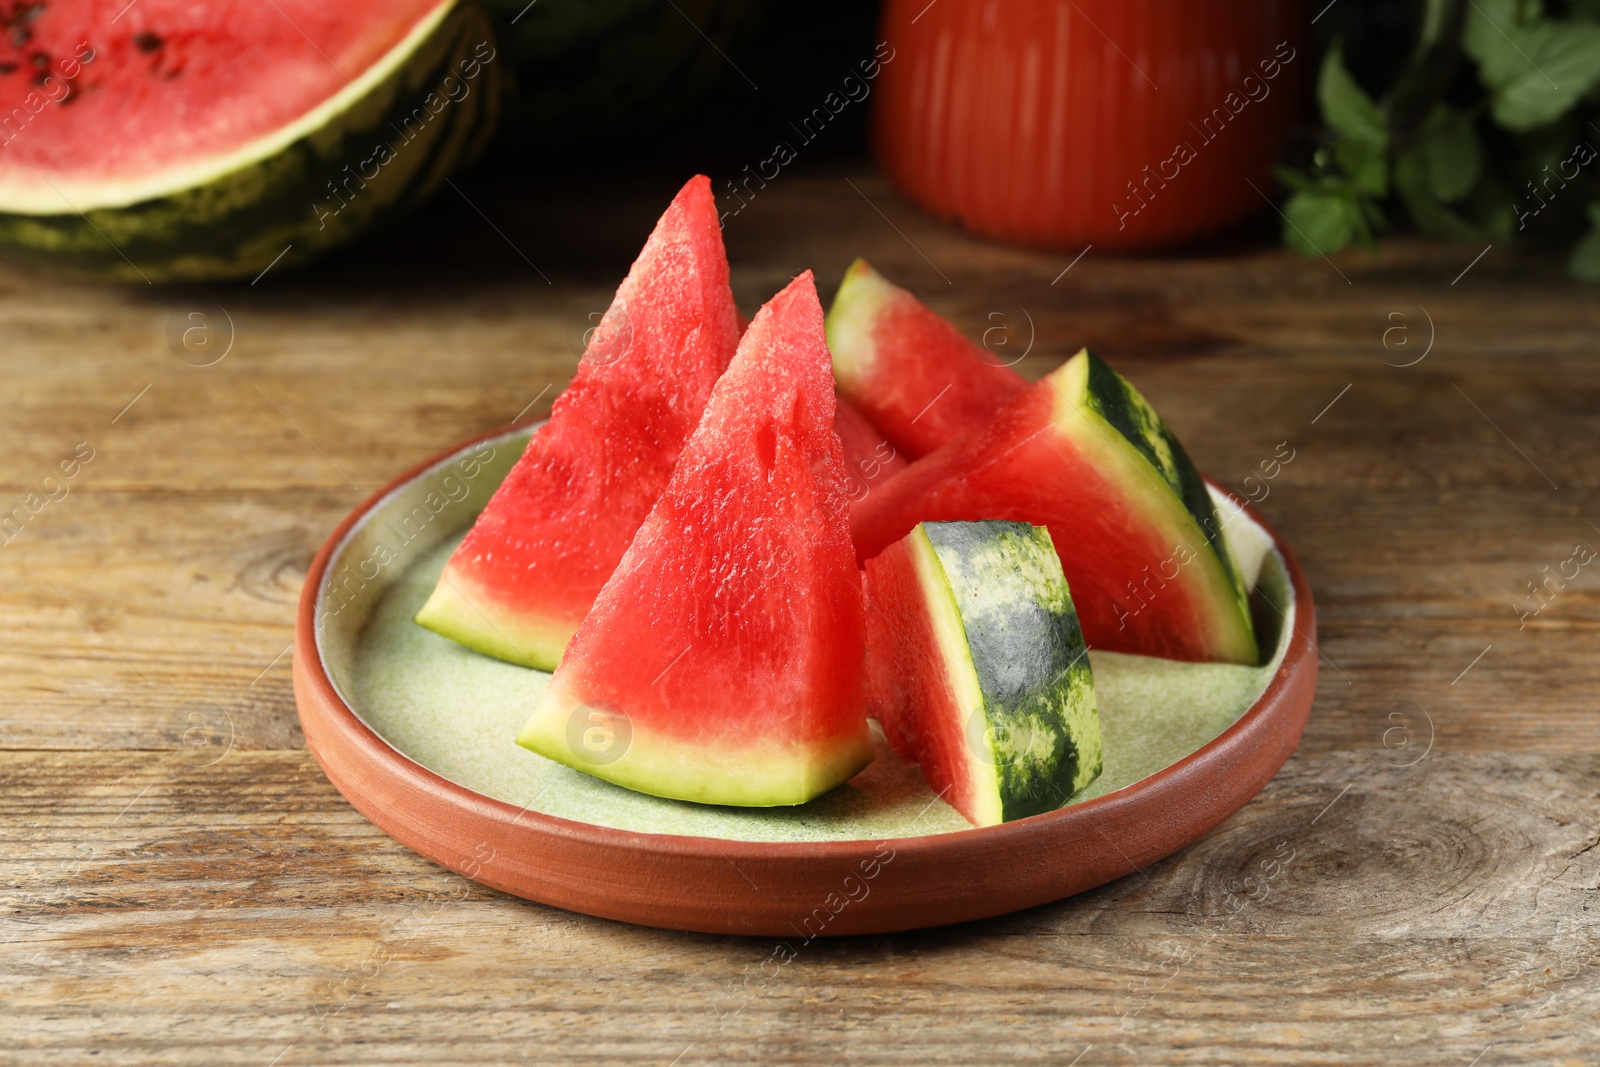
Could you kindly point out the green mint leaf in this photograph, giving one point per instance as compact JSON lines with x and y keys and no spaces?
{"x":1450,"y":155}
{"x":1366,"y":165}
{"x":1413,"y":180}
{"x":1535,"y":68}
{"x":1319,"y":224}
{"x":1346,"y":107}
{"x":1489,"y":37}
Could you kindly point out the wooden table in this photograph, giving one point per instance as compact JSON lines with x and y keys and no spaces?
{"x":180,"y":884}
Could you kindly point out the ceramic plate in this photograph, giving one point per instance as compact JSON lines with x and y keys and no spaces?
{"x":418,"y":733}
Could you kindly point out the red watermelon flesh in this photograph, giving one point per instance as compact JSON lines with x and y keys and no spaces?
{"x":911,"y":373}
{"x":134,"y":96}
{"x":869,"y":460}
{"x":724,"y":660}
{"x":529,"y":570}
{"x":1081,"y":452}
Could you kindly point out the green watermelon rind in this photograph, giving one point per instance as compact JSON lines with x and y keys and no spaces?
{"x":477,"y":620}
{"x":1124,"y":409}
{"x":1103,"y":411}
{"x":274,"y":195}
{"x":748,"y":775}
{"x":1014,"y":653}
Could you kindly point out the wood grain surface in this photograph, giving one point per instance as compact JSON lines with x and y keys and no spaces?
{"x":180,"y":884}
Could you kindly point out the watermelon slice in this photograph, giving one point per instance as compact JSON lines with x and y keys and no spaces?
{"x":166,"y":139}
{"x":977,"y":669}
{"x":869,"y":460}
{"x":1081,"y":452}
{"x":528,"y":571}
{"x":918,"y":380}
{"x":723,"y":662}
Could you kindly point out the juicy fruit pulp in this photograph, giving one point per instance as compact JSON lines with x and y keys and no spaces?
{"x":869,"y":460}
{"x":529,"y":570}
{"x":978,"y":670}
{"x":1081,"y":452}
{"x":118,"y":90}
{"x":723,"y":662}
{"x":911,"y":373}
{"x":168,"y":140}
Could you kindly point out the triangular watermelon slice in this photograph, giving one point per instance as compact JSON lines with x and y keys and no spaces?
{"x":724,"y":660}
{"x":1081,"y":452}
{"x":528,"y":571}
{"x":911,"y":373}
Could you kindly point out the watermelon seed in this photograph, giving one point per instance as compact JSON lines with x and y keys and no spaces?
{"x":8,"y":68}
{"x":146,"y":41}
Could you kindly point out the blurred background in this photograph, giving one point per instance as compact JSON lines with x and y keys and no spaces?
{"x":1130,"y":127}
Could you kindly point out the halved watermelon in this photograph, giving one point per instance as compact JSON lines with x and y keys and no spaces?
{"x":977,"y":668}
{"x":723,"y":662}
{"x":918,"y":380}
{"x":528,"y":571}
{"x":1080,"y":451}
{"x":869,"y":460}
{"x":170,"y":140}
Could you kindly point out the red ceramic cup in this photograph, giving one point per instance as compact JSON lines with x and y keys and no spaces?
{"x":1124,"y":124}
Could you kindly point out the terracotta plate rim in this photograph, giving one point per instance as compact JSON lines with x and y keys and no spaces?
{"x":372,"y":773}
